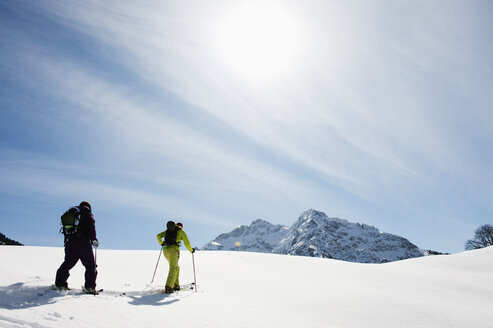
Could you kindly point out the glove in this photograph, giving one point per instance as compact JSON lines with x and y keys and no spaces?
{"x":95,"y":243}
{"x":193,"y":250}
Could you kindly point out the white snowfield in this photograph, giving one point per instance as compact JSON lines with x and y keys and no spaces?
{"x":237,"y":289}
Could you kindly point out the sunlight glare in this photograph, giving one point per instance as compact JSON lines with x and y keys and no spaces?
{"x":258,"y":40}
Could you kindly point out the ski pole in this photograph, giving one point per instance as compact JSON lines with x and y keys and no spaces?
{"x":159,"y":257}
{"x":194,"y":276}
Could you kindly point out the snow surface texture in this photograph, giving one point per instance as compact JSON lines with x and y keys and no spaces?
{"x":315,"y":234}
{"x":241,"y":289}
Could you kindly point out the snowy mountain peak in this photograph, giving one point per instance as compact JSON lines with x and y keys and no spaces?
{"x":259,"y":236}
{"x":315,"y":234}
{"x":312,"y":218}
{"x":260,"y":223}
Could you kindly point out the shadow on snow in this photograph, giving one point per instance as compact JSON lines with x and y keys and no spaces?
{"x":151,"y":299}
{"x":21,"y":296}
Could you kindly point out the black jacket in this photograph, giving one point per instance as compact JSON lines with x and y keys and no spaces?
{"x":87,"y":228}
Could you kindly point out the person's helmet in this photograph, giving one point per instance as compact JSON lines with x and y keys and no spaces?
{"x":85,"y":204}
{"x":179,"y":224}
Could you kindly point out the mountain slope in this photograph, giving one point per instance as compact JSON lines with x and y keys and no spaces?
{"x":315,"y":234}
{"x":260,"y":236}
{"x":4,"y":240}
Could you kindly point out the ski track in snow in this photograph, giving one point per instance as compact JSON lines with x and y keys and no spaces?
{"x":15,"y":323}
{"x":20,"y":295}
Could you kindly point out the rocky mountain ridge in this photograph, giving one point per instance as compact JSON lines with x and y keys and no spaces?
{"x":260,"y":236}
{"x":315,"y":234}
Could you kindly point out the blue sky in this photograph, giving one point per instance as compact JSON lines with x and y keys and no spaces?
{"x":217,"y":113}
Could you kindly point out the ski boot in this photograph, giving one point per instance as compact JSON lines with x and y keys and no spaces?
{"x":90,"y":290}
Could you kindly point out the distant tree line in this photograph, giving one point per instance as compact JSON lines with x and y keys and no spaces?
{"x":483,"y":237}
{"x":7,"y":241}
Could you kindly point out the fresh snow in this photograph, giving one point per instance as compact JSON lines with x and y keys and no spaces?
{"x":244,"y":289}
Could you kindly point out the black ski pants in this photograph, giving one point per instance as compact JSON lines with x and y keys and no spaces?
{"x":75,"y":250}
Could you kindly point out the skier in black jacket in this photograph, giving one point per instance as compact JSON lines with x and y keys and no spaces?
{"x":79,"y":247}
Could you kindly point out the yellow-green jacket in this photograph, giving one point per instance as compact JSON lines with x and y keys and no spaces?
{"x":180,"y":235}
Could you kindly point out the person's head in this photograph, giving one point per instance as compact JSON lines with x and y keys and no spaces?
{"x":179,"y":225}
{"x":170,"y":226}
{"x":85,"y":204}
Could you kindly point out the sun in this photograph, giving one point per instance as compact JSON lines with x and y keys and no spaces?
{"x":258,"y":40}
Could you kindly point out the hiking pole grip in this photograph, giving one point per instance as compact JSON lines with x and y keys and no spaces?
{"x":158,"y":258}
{"x":194,"y":276}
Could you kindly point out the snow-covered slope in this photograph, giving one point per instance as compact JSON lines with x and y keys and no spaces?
{"x":241,"y":289}
{"x":315,"y":234}
{"x":260,"y":236}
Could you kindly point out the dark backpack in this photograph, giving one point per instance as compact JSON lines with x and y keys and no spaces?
{"x":70,"y":221}
{"x":171,"y":232}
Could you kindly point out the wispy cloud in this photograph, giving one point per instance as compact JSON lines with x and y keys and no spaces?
{"x":386,"y":111}
{"x":136,"y":132}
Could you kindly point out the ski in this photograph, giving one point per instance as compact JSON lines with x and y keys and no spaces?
{"x":70,"y":291}
{"x":186,"y":287}
{"x":91,"y":291}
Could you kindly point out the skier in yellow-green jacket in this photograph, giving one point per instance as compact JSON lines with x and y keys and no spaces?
{"x":171,"y":242}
